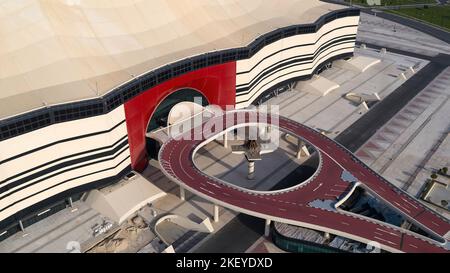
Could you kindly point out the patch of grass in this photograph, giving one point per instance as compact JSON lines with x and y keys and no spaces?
{"x":437,"y":15}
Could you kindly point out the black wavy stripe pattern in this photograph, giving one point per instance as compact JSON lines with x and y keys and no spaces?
{"x":95,"y":156}
{"x":275,"y":68}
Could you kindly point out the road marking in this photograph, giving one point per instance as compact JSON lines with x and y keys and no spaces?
{"x":435,"y":224}
{"x":215,"y":185}
{"x":207,"y":190}
{"x":282,"y":209}
{"x":388,"y":232}
{"x":345,"y":223}
{"x":413,"y":245}
{"x":402,"y":207}
{"x":320,"y":185}
{"x":181,"y":165}
{"x":409,"y":203}
{"x":312,"y":215}
{"x":378,"y":238}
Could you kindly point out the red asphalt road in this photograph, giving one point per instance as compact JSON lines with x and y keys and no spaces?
{"x":176,"y":160}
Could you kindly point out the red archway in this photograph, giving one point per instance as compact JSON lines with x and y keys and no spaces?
{"x":216,"y":83}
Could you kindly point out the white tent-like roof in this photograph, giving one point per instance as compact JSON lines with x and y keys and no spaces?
{"x":58,"y":51}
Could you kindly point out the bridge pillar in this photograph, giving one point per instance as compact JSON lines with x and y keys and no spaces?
{"x":21,"y":226}
{"x":182,"y":193}
{"x":302,"y":150}
{"x":216,"y":213}
{"x":251,"y":170}
{"x":267,"y":228}
{"x":225,"y":140}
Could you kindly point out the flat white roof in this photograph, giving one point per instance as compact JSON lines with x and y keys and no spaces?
{"x":120,"y":201}
{"x":58,"y":51}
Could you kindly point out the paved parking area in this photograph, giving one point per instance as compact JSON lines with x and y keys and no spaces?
{"x":55,"y":233}
{"x":378,"y":31}
{"x":402,"y":145}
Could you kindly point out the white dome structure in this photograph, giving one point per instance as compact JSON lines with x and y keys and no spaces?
{"x":59,"y":51}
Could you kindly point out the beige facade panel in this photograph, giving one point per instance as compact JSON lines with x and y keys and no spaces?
{"x":43,"y":163}
{"x":58,"y":51}
{"x":250,"y":71}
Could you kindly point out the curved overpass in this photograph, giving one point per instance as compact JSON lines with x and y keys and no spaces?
{"x":311,"y":204}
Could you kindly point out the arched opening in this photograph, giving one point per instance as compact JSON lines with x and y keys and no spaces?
{"x":159,"y":118}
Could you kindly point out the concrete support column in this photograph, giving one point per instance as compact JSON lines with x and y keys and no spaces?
{"x":267,"y":228}
{"x":182,"y":193}
{"x":216,"y":213}
{"x":225,"y":140}
{"x":251,"y":170}
{"x":302,"y":150}
{"x":73,"y":209}
{"x":21,"y":226}
{"x":299,"y":148}
{"x":268,"y":129}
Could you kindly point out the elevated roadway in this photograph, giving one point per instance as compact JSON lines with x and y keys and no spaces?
{"x":311,"y":203}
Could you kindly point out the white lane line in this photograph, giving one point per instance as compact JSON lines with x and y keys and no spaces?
{"x":331,"y":195}
{"x":413,"y":245}
{"x":409,"y":212}
{"x":320,"y":185}
{"x":388,"y":232}
{"x":207,"y":191}
{"x":312,"y":215}
{"x":282,"y":209}
{"x":345,"y":223}
{"x":181,"y":164}
{"x":412,"y":205}
{"x":215,"y":185}
{"x":226,"y":194}
{"x":436,"y":224}
{"x":378,"y":238}
{"x":340,"y":191}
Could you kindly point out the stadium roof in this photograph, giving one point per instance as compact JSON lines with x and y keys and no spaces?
{"x":58,"y":51}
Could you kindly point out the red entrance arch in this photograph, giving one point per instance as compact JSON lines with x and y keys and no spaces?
{"x":216,"y":83}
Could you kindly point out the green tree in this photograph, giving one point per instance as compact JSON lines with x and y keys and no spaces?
{"x":434,"y":176}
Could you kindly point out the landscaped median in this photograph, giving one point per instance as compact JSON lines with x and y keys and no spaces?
{"x":435,"y":15}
